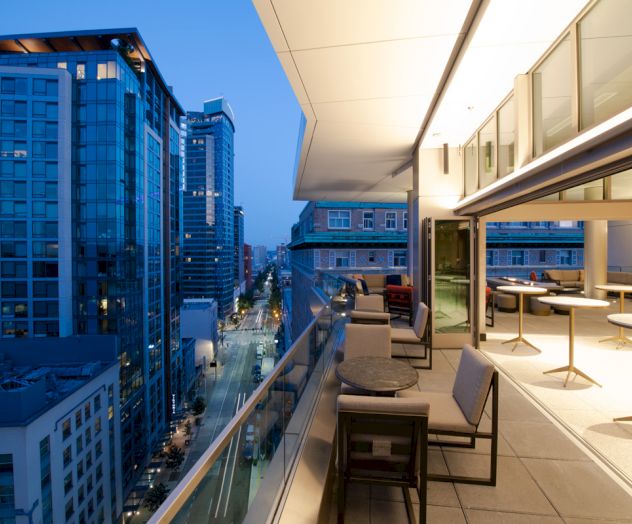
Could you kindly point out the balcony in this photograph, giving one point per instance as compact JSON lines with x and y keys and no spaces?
{"x":545,"y":472}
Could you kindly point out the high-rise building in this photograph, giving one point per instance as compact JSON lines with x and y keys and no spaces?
{"x":239,"y":248}
{"x":89,"y":210}
{"x":208,"y":212}
{"x":248,"y":265}
{"x":259,"y":258}
{"x":281,"y":256}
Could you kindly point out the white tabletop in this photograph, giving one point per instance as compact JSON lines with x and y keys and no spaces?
{"x":573,"y":301}
{"x":621,"y":319}
{"x":527,"y":290}
{"x":615,"y":287}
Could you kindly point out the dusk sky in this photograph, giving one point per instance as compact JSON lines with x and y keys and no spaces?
{"x":206,"y":48}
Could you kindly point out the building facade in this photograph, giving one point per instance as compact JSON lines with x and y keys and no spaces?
{"x":90,"y":205}
{"x":520,"y":248}
{"x":344,"y":238}
{"x":60,"y":430}
{"x":248,"y":266}
{"x":259,"y":258}
{"x":208,"y":209}
{"x":282,"y":259}
{"x":238,"y":260}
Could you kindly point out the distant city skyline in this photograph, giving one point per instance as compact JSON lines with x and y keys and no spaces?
{"x":204,"y":59}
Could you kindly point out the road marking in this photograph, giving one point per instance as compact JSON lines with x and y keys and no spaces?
{"x":230,"y":447}
{"x":232,"y":474}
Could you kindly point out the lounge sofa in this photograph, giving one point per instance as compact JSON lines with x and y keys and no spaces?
{"x":566,"y":277}
{"x":618,"y":277}
{"x":375,"y":283}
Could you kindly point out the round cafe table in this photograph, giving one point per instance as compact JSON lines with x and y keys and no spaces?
{"x":379,"y":374}
{"x":572,"y":303}
{"x":622,"y":320}
{"x":622,"y":289}
{"x":521,"y":291}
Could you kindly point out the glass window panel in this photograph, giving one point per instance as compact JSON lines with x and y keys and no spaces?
{"x":471,"y":177}
{"x":605,"y":39}
{"x":506,"y":138}
{"x":487,"y":153}
{"x":590,"y":191}
{"x":102,"y":71}
{"x":621,"y":185}
{"x":552,"y":99}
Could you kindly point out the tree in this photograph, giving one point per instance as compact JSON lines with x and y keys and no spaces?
{"x":199,"y":405}
{"x":175,"y":457}
{"x":155,"y":496}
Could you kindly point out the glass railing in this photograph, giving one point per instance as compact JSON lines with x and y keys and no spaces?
{"x":241,"y":476}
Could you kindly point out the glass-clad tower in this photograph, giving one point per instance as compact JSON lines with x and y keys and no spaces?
{"x":208,"y":213}
{"x":89,"y":206}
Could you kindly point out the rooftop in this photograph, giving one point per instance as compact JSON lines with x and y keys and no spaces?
{"x":37,"y":374}
{"x":126,"y":40}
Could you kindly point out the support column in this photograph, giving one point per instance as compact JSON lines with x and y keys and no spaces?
{"x":595,"y":257}
{"x":482,"y":277}
{"x":414,"y":231}
{"x":411,"y":235}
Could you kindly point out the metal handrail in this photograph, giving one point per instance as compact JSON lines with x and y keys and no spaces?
{"x":185,"y":488}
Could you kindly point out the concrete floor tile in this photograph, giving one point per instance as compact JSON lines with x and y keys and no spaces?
{"x":387,"y":512}
{"x":580,"y":489}
{"x":540,"y":440}
{"x":442,"y":494}
{"x":477,"y":516}
{"x":515,"y":490}
{"x":444,"y":515}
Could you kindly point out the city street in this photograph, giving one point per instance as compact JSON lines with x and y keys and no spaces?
{"x":223,"y":497}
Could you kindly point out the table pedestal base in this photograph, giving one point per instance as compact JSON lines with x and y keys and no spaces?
{"x":572,"y":369}
{"x":621,"y":339}
{"x":517,"y":341}
{"x":622,"y":419}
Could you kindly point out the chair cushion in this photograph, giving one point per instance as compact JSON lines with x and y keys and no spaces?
{"x":421,"y":319}
{"x":404,"y":336}
{"x":369,"y":302}
{"x":393,"y":280}
{"x":472,"y":383}
{"x":445,"y":413}
{"x":363,"y":340}
{"x":374,"y":317}
{"x":371,"y":404}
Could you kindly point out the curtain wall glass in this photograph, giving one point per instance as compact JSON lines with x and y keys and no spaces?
{"x":553,"y":99}
{"x":605,"y":40}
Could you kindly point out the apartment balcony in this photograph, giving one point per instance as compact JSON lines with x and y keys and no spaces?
{"x":275,"y":460}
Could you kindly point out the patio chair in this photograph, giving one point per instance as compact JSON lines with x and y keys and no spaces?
{"x":384,"y":441}
{"x":459,"y":413}
{"x":365,"y":341}
{"x":369,"y":309}
{"x":414,"y":335}
{"x":399,"y":301}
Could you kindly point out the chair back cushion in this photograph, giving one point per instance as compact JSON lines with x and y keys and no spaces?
{"x":472,"y":383}
{"x":421,"y":319}
{"x":393,"y":280}
{"x":369,"y":302}
{"x":364,"y":340}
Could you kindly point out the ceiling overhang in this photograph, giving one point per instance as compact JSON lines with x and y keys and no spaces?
{"x":377,"y":79}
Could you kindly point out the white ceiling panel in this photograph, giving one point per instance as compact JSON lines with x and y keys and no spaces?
{"x":332,"y":23}
{"x":386,"y":69}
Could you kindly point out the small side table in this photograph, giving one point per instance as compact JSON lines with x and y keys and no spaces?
{"x":572,"y":303}
{"x":622,"y":289}
{"x":378,"y":374}
{"x":521,"y":291}
{"x":623,"y":320}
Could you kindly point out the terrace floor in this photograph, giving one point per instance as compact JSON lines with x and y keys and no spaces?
{"x":545,"y":474}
